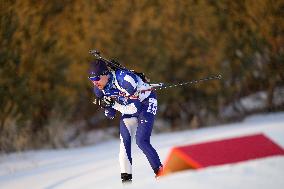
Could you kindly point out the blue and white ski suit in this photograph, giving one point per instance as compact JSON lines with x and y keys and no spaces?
{"x":138,"y":114}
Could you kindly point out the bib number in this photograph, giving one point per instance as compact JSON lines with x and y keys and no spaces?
{"x":152,"y":108}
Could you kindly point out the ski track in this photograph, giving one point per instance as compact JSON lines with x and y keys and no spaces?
{"x":78,"y":161}
{"x":76,"y":176}
{"x":98,"y":167}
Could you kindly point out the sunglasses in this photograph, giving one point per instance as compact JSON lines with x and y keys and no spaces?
{"x":95,"y":78}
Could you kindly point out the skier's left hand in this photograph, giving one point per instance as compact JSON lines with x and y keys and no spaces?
{"x":110,"y":113}
{"x":107,"y":102}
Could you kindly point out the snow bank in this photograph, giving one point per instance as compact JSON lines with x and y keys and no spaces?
{"x":252,"y":103}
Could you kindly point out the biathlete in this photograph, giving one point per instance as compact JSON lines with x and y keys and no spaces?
{"x":119,"y":91}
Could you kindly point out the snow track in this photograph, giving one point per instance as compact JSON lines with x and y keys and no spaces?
{"x":98,"y":167}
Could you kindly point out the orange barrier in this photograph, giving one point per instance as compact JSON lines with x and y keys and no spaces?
{"x":220,"y":152}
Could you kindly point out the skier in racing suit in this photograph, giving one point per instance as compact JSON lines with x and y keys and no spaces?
{"x":138,"y":112}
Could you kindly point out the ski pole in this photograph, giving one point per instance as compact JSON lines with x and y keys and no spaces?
{"x":160,"y":86}
{"x":164,"y":86}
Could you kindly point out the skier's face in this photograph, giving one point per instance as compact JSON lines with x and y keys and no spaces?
{"x":102,"y":82}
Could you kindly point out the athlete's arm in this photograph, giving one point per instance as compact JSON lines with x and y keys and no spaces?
{"x":128,"y":85}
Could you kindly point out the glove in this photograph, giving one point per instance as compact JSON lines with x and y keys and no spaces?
{"x":107,"y":102}
{"x":110,"y":113}
{"x":104,"y":102}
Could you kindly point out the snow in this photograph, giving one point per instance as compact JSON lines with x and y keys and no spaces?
{"x":253,"y":102}
{"x":97,"y":166}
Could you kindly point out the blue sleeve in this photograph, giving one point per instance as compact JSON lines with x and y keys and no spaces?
{"x":127,"y":81}
{"x":110,"y":113}
{"x":117,"y":93}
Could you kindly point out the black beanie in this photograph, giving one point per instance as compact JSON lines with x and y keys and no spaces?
{"x":98,"y":68}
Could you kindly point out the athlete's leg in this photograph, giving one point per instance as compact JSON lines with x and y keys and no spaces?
{"x":144,"y":130}
{"x":128,"y":126}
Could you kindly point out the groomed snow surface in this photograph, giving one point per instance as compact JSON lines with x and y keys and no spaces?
{"x":97,"y":166}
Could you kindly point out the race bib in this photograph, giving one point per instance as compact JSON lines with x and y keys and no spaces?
{"x":152,"y":108}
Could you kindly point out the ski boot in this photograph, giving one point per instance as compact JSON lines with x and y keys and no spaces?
{"x":126,"y":178}
{"x":158,"y":172}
